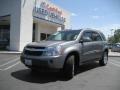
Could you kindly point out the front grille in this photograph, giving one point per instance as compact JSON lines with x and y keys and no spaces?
{"x":33,"y":53}
{"x":35,"y":47}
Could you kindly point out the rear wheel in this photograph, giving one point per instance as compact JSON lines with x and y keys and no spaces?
{"x":69,"y":67}
{"x":104,"y":59}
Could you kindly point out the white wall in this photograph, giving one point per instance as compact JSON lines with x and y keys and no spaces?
{"x":12,"y":8}
{"x":26,"y":25}
{"x":21,"y":21}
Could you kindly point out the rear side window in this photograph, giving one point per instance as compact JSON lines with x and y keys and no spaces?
{"x":96,"y":36}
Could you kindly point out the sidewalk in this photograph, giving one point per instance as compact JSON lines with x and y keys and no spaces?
{"x":10,"y":52}
{"x":114,"y":54}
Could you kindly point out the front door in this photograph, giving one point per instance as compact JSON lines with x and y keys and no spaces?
{"x":88,"y":49}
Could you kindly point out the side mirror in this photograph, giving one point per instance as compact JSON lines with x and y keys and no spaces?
{"x":85,"y":39}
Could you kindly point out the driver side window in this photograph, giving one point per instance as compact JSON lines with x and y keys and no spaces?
{"x":87,"y":35}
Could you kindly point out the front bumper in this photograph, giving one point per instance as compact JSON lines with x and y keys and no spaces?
{"x":50,"y":62}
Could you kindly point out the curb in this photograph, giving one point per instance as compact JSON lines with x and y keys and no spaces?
{"x":10,"y":52}
{"x":113,"y":56}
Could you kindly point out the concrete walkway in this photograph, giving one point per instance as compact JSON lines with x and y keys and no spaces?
{"x":10,"y":52}
{"x":114,"y":54}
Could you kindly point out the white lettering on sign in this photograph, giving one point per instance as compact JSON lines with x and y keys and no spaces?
{"x":47,"y":12}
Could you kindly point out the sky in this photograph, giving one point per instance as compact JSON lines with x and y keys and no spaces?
{"x":103,"y":15}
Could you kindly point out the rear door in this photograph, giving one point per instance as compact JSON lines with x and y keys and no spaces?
{"x":98,"y":44}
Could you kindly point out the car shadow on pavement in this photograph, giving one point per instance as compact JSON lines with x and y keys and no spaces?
{"x":46,"y":77}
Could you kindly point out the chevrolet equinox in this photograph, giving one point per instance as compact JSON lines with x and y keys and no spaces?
{"x":66,"y":50}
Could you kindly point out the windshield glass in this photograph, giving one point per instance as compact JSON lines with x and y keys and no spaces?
{"x":64,"y":35}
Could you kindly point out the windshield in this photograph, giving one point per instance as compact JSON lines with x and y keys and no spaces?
{"x":64,"y":35}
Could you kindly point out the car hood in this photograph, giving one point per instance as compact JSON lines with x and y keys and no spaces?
{"x":46,"y":43}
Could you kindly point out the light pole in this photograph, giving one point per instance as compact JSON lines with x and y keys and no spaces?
{"x":111,"y":31}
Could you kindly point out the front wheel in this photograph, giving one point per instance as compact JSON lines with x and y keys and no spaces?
{"x":104,"y":59}
{"x":69,"y":67}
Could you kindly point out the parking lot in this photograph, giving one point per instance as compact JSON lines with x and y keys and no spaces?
{"x":15,"y":76}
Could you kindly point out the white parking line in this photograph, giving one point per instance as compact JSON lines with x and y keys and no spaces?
{"x":10,"y":66}
{"x":115,"y":61}
{"x":115,"y":64}
{"x":9,"y":62}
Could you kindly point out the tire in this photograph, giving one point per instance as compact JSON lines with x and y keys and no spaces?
{"x":69,"y":67}
{"x":104,"y":59}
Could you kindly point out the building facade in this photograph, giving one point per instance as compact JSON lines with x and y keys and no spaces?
{"x":25,"y":21}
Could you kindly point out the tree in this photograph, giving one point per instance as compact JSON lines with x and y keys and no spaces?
{"x":117,"y":35}
{"x":115,"y":38}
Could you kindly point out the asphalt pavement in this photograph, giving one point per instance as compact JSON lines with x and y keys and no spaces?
{"x":15,"y":76}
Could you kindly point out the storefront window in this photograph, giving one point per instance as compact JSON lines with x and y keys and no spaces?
{"x":4,"y":35}
{"x":44,"y":36}
{"x":48,"y":35}
{"x":33,"y":37}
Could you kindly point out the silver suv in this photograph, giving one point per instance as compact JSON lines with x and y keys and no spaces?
{"x":66,"y":50}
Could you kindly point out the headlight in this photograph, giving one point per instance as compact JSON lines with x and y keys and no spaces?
{"x":53,"y":51}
